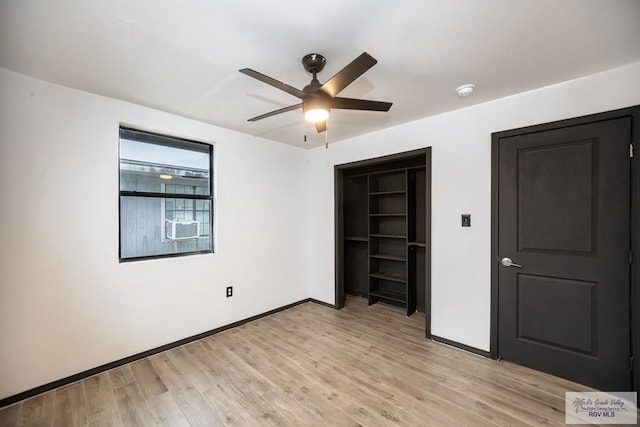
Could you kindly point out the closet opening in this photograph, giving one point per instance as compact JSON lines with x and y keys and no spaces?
{"x":383,"y":231}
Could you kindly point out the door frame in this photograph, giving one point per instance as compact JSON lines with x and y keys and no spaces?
{"x":634,"y":236}
{"x":338,"y":181}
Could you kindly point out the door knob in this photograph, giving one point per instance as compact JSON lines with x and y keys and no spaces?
{"x":508,"y":263}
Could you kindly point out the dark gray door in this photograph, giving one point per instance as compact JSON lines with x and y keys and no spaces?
{"x":563,"y":207}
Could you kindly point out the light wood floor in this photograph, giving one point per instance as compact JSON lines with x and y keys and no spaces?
{"x":308,"y":366}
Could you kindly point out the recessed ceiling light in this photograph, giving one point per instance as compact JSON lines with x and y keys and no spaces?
{"x":465,"y":90}
{"x":165,"y":176}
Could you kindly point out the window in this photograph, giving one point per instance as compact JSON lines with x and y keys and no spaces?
{"x":166,"y":196}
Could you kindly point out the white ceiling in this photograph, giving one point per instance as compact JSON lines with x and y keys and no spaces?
{"x":183,"y":56}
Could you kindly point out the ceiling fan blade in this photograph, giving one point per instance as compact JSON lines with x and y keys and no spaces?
{"x":348,"y":74}
{"x":273,"y":82}
{"x":321,"y":126}
{"x":273,"y":113}
{"x":360,"y":104}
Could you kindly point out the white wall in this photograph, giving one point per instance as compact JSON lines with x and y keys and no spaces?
{"x":461,"y":183}
{"x":66,"y":303}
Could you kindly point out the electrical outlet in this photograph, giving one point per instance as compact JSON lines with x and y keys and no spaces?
{"x":229,"y":291}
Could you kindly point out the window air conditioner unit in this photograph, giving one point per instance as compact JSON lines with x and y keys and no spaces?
{"x":180,"y":230}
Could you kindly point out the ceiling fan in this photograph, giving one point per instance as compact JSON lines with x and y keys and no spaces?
{"x":318,"y":99}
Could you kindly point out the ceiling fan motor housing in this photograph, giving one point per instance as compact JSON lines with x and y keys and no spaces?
{"x":316,"y":100}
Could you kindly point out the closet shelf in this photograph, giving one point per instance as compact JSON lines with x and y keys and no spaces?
{"x":388,"y":236}
{"x":384,"y":276}
{"x":389,"y":257}
{"x":356,"y":239}
{"x":389,"y":295}
{"x":387,"y":193}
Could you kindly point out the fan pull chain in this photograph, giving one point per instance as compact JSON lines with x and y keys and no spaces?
{"x":326,"y":136}
{"x":306,"y":128}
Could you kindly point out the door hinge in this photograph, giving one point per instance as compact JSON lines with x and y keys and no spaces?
{"x":630,"y":257}
{"x":630,"y":150}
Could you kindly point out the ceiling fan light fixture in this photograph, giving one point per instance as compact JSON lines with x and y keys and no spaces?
{"x":316,"y":110}
{"x":315,"y":115}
